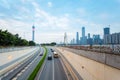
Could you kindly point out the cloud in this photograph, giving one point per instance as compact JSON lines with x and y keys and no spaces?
{"x":50,"y":27}
{"x":53,"y":37}
{"x":49,"y":37}
{"x":46,"y":20}
{"x":49,"y":4}
{"x":15,"y":26}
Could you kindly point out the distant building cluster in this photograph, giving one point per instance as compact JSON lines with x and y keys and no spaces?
{"x":113,"y":38}
{"x":96,"y":39}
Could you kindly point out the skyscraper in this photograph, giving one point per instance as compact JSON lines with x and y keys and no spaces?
{"x":77,"y":38}
{"x":88,"y":35}
{"x":106,"y":30}
{"x":83,"y":31}
{"x":83,"y":39}
{"x":33,"y":32}
{"x":106,"y":33}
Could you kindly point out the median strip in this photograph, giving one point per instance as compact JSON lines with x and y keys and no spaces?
{"x":34,"y":73}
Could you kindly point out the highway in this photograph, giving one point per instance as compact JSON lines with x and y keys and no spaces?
{"x":23,"y":70}
{"x":26,"y":72}
{"x":52,"y":69}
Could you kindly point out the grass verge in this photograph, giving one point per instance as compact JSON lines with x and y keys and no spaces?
{"x":34,"y":73}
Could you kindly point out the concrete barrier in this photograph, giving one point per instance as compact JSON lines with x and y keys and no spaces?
{"x":112,"y":60}
{"x":89,"y":69}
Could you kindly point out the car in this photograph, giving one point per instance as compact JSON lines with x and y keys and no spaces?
{"x":41,"y":54}
{"x":56,"y":55}
{"x":52,"y":50}
{"x":49,"y":57}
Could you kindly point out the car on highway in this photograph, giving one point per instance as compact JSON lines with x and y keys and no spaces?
{"x":41,"y":54}
{"x":56,"y":55}
{"x":49,"y":57}
{"x":52,"y":50}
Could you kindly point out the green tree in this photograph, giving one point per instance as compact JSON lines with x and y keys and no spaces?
{"x":8,"y":39}
{"x":31,"y":43}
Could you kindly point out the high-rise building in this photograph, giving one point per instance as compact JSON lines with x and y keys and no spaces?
{"x":113,"y":38}
{"x":96,"y":39}
{"x":83,"y":31}
{"x":89,"y":40}
{"x":106,"y":30}
{"x":106,"y":33}
{"x":77,"y":38}
{"x":73,"y":41}
{"x":83,"y":39}
{"x":88,"y":35}
{"x":33,"y":33}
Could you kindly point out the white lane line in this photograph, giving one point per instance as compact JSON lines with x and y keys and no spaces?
{"x":15,"y":78}
{"x":53,"y":69}
{"x":6,"y":74}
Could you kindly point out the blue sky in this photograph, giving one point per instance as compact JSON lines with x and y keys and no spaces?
{"x":52,"y":18}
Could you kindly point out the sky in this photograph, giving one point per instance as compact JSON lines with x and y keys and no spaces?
{"x":52,"y":18}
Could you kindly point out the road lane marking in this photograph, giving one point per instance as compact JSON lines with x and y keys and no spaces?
{"x":15,"y":78}
{"x":42,"y":68}
{"x":6,"y":74}
{"x":68,"y":66}
{"x":17,"y":67}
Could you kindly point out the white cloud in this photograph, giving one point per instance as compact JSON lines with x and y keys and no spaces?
{"x":67,"y":15}
{"x":53,"y":37}
{"x":50,"y":4}
{"x":46,"y":20}
{"x":49,"y":37}
{"x":43,"y":20}
{"x":15,"y":27}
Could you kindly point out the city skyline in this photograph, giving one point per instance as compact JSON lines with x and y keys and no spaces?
{"x":51,"y":18}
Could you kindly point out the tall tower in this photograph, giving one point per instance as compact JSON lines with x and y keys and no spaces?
{"x":33,"y":33}
{"x":65,"y":38}
{"x":77,"y":38}
{"x":83,"y":31}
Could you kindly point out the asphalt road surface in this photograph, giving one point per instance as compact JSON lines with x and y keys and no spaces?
{"x":22,"y":72}
{"x":52,"y":69}
{"x":29,"y":70}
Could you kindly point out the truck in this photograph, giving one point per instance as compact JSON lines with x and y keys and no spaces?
{"x":56,"y":55}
